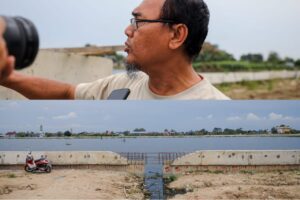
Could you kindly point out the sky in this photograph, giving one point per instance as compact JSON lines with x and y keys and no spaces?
{"x":237,"y":26}
{"x":99,"y":116}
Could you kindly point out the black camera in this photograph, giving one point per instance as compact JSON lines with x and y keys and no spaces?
{"x":22,"y":40}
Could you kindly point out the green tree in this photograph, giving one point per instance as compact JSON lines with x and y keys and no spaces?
{"x":217,"y":131}
{"x":274,"y":130}
{"x":239,"y":131}
{"x":59,"y":134}
{"x":228,"y":131}
{"x":288,"y":59}
{"x":212,"y":52}
{"x":274,"y":58}
{"x":21,"y":134}
{"x":256,"y":58}
{"x":48,"y":134}
{"x":139,"y":130}
{"x":67,"y":134}
{"x":297,"y":63}
{"x":126,"y":133}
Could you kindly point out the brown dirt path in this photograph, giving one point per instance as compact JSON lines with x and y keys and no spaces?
{"x":70,"y":184}
{"x":246,"y":185}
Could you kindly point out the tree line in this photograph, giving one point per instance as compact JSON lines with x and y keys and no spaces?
{"x":167,"y":132}
{"x":211,"y":53}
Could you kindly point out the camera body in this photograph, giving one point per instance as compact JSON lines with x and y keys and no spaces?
{"x":22,"y":40}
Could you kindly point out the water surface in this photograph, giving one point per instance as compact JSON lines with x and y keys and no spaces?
{"x":186,"y":144}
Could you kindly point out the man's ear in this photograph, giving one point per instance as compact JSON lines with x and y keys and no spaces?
{"x":179,"y":33}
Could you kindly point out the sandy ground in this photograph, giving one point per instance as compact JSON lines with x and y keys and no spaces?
{"x":247,"y":185}
{"x":274,"y":89}
{"x":70,"y":184}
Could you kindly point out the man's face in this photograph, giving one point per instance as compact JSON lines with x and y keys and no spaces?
{"x":147,"y":44}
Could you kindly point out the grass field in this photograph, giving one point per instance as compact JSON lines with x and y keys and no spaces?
{"x":282,"y":89}
{"x":235,"y":66}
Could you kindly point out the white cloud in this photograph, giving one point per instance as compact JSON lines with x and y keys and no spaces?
{"x":107,"y":117}
{"x":235,"y":118}
{"x":13,"y":104}
{"x":10,"y":105}
{"x":46,"y":108}
{"x":71,"y":115}
{"x":199,"y":118}
{"x":41,"y":118}
{"x":75,"y":125}
{"x":274,"y":116}
{"x":209,"y":116}
{"x":290,"y":118}
{"x":271,"y":116}
{"x":252,"y":116}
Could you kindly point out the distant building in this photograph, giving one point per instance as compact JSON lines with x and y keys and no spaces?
{"x":42,"y":133}
{"x":290,"y":64}
{"x":169,"y":132}
{"x":139,"y":133}
{"x":283,"y":129}
{"x":11,"y":134}
{"x":109,"y":133}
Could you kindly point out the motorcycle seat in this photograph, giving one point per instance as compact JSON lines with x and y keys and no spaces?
{"x":39,"y":160}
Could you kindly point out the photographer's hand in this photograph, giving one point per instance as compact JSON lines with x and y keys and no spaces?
{"x":6,"y":62}
{"x":29,"y":86}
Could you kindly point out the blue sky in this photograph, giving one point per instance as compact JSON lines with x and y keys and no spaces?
{"x":238,"y":26}
{"x":153,"y":116}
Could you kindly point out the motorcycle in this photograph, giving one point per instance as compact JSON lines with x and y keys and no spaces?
{"x":40,"y":165}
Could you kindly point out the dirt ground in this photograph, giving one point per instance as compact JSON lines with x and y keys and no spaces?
{"x":279,"y":89}
{"x":70,"y":184}
{"x":246,"y":185}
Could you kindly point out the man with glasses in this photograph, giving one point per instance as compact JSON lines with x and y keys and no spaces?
{"x":164,"y":37}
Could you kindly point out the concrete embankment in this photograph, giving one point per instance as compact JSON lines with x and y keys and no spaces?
{"x":78,"y":160}
{"x":233,"y":77}
{"x":234,"y":161}
{"x":197,"y":161}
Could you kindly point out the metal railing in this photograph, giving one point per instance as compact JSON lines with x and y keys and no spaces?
{"x":151,"y":158}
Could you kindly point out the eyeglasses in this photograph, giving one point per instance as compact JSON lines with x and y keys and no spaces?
{"x":136,"y":23}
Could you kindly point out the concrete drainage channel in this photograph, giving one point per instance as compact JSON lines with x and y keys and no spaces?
{"x":154,"y":180}
{"x":161,"y":168}
{"x":153,"y":173}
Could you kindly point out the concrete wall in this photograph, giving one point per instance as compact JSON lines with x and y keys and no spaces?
{"x":198,"y":161}
{"x":240,"y":158}
{"x":234,"y":161}
{"x":232,"y":77}
{"x":64,"y":158}
{"x":100,"y":160}
{"x":66,"y":67}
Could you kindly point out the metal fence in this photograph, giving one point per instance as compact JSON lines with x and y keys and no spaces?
{"x":151,"y":158}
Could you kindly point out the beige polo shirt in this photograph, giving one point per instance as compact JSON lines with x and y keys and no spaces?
{"x":139,"y":88}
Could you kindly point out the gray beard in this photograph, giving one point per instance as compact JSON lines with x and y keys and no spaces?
{"x":132,"y":70}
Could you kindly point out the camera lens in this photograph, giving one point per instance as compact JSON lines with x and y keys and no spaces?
{"x":22,"y":40}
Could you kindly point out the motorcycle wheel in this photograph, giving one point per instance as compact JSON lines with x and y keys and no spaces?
{"x":48,"y":168}
{"x":27,"y":168}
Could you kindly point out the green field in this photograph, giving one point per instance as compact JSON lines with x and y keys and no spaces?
{"x":235,"y":66}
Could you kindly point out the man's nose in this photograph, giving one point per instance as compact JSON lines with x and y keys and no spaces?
{"x":129,"y":31}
